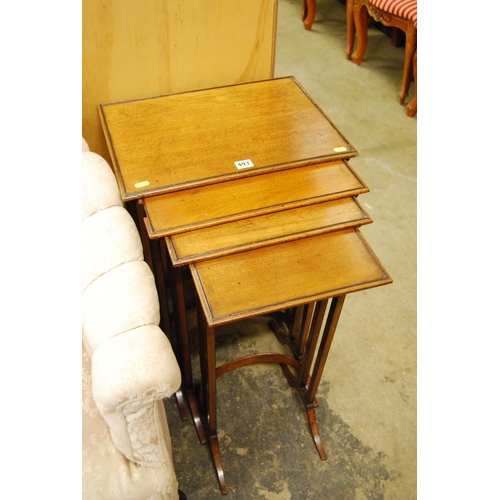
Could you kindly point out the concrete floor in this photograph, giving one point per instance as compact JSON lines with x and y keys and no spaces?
{"x":367,"y":398}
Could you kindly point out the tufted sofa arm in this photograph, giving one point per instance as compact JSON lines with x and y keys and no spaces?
{"x":131,"y":373}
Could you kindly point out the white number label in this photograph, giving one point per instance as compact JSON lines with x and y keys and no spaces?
{"x":243,"y":164}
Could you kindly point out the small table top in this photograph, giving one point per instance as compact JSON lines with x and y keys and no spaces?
{"x":292,"y":273}
{"x":267,"y":229}
{"x":172,"y":142}
{"x":245,"y":197}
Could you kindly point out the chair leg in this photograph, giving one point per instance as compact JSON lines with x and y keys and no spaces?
{"x":308,"y":13}
{"x":351,"y":32}
{"x":361,"y":24}
{"x":411,"y":109}
{"x":397,"y":37}
{"x":410,"y":48}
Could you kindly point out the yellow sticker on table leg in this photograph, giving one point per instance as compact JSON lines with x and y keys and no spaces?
{"x":141,"y":184}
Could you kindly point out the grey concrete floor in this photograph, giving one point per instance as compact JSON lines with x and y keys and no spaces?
{"x":367,"y":398}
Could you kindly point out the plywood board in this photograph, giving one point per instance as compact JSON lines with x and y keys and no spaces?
{"x":135,"y":49}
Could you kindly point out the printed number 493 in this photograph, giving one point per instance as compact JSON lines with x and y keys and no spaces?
{"x":243,"y":163}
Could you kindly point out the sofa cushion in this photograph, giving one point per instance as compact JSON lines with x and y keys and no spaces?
{"x":109,"y":239}
{"x":107,"y":473}
{"x":119,"y":300}
{"x":99,"y":186}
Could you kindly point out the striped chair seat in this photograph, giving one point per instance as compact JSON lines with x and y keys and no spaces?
{"x":407,"y":9}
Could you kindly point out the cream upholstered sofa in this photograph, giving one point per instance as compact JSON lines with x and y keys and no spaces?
{"x":128,"y":366}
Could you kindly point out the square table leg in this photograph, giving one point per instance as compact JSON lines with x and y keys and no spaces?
{"x":209,"y":393}
{"x":299,"y":320}
{"x":162,"y":280}
{"x":310,"y":382}
{"x":302,"y":329}
{"x":181,"y":341}
{"x":180,"y":312}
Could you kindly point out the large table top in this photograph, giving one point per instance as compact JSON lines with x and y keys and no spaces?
{"x":172,"y":142}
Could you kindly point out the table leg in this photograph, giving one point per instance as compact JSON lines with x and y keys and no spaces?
{"x":301,"y":335}
{"x":161,"y":280}
{"x":209,"y":393}
{"x":309,"y":389}
{"x":136,"y":210}
{"x":304,"y":329}
{"x":297,"y":315}
{"x":299,"y":319}
{"x":185,"y":351}
{"x":306,"y":383}
{"x":210,"y":373}
{"x":317,"y":320}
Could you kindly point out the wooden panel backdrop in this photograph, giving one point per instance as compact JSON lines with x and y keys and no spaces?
{"x":136,"y":49}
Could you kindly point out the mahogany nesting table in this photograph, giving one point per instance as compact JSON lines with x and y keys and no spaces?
{"x":233,"y":182}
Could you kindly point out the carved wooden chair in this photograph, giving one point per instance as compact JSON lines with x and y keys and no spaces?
{"x":401,"y":14}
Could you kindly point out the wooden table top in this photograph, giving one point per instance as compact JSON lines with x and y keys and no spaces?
{"x":292,"y":273}
{"x":245,"y":197}
{"x":167,"y":143}
{"x":267,"y":229}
